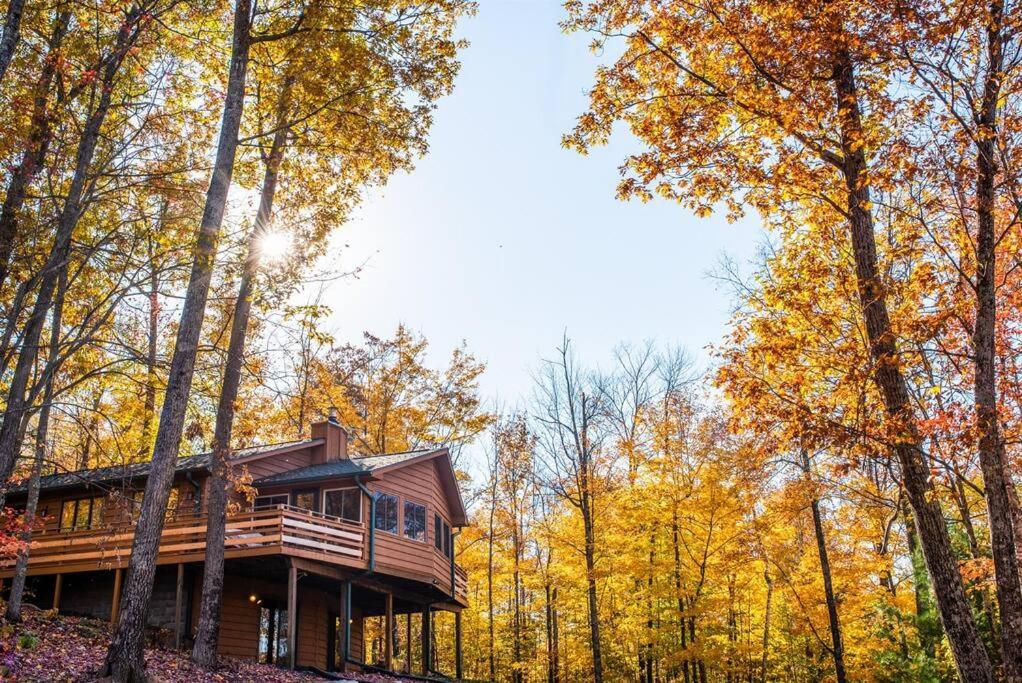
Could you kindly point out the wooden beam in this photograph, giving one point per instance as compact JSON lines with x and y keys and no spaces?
{"x":57,"y":587}
{"x":115,"y":607}
{"x":457,"y":646}
{"x":179,"y":606}
{"x":292,"y":615}
{"x":388,"y":645}
{"x":427,"y":628}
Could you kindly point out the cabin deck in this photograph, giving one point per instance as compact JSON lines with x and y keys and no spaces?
{"x":280,"y":530}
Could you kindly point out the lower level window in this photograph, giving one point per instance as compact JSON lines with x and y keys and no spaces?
{"x":272,"y":635}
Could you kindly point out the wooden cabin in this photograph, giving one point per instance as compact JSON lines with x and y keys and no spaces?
{"x":328,"y":541}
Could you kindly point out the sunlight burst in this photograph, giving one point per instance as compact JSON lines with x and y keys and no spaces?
{"x":274,"y":245}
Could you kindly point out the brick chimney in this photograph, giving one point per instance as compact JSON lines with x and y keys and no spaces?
{"x":336,"y":446}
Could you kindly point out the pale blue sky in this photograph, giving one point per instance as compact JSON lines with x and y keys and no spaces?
{"x":502,"y":238}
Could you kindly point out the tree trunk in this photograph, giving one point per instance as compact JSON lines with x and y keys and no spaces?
{"x":764,"y":663}
{"x":149,"y":405}
{"x":205,"y":649}
{"x":489,"y":568}
{"x":970,"y":656}
{"x":124,"y":661}
{"x":11,"y":35}
{"x":837,"y":646}
{"x":516,"y":629}
{"x":129,"y":31}
{"x":40,"y":133}
{"x":594,"y":615}
{"x":927,"y":622}
{"x":991,"y":446}
{"x":42,"y":427}
{"x":679,"y":595}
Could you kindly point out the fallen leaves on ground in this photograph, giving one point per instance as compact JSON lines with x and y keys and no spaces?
{"x":47,"y":647}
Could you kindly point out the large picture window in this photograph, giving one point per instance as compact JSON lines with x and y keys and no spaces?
{"x":84,"y":513}
{"x":273,"y":638}
{"x":343,"y":503}
{"x":386,"y":513}
{"x":415,"y":521}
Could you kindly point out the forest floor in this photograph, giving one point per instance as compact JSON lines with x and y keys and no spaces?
{"x":50,"y":648}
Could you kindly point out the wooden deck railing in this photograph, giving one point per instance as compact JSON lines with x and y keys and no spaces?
{"x":460,"y":582}
{"x":281,"y":529}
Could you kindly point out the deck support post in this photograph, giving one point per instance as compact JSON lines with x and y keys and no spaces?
{"x":179,"y":605}
{"x":115,"y":606}
{"x":292,"y":615}
{"x":427,"y":639}
{"x":57,"y":587}
{"x":408,"y":642}
{"x":388,"y":645}
{"x":457,"y":646}
{"x":346,"y":620}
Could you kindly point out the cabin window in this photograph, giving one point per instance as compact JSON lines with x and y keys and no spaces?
{"x":343,"y":503}
{"x":134,"y":503}
{"x":272,"y":635}
{"x":267,"y":502}
{"x":386,"y":513}
{"x":438,"y":533}
{"x":307,"y":499}
{"x":448,"y":549}
{"x":172,"y":503}
{"x":415,"y":521}
{"x":84,"y":513}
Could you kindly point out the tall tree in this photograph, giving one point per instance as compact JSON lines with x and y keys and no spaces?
{"x":124,"y":658}
{"x":571,"y":419}
{"x":746,"y":131}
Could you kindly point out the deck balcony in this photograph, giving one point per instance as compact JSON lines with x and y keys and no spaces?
{"x":280,"y":530}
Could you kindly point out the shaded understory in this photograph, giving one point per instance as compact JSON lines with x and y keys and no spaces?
{"x":47,"y":647}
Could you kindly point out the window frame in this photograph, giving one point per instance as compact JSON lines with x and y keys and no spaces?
{"x":271,"y":506}
{"x":315,"y":498}
{"x":448,"y":541}
{"x":438,"y":533}
{"x":397,"y":512}
{"x":404,"y":520}
{"x":91,"y":522}
{"x":358,"y":493}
